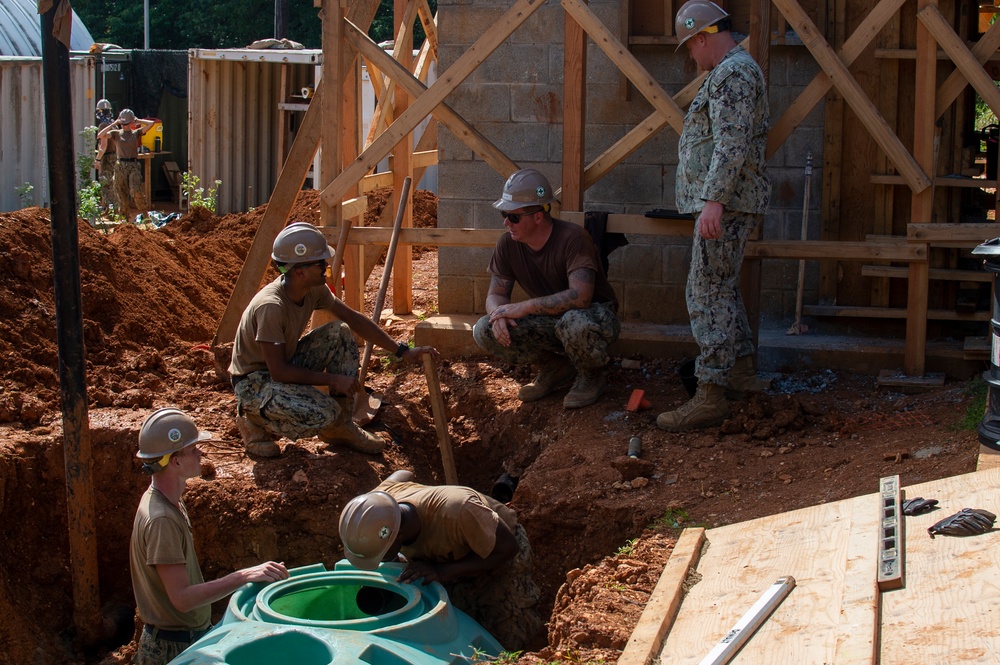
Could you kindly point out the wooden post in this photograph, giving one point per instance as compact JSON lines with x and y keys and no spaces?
{"x":440,"y":420}
{"x":402,"y":157}
{"x":574,"y":114}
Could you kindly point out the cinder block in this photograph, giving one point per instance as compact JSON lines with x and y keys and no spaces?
{"x":465,"y":25}
{"x":544,"y":26}
{"x":644,"y":262}
{"x":482,"y":102}
{"x":455,"y":295}
{"x":515,"y":63}
{"x":654,"y":304}
{"x":536,"y":103}
{"x":467,"y":261}
{"x":451,"y":335}
{"x":676,"y":264}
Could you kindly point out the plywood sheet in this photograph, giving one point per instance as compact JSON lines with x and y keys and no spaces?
{"x":832,"y":607}
{"x":948,"y":610}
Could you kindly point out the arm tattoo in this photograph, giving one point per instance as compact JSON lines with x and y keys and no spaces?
{"x":500,"y":286}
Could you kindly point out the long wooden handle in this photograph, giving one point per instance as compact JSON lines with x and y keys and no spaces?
{"x":440,"y":420}
{"x":386,"y":273}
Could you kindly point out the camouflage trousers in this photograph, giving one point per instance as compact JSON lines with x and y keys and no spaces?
{"x":504,"y":601}
{"x":582,"y":335}
{"x":718,"y":316}
{"x":128,"y":186}
{"x":106,"y":173}
{"x":156,"y":650}
{"x":294,"y":410}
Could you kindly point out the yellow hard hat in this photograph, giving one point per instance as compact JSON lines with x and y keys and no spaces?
{"x":369,"y":525}
{"x":696,"y":16}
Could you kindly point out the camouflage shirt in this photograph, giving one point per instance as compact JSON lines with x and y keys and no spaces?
{"x":721,"y":153}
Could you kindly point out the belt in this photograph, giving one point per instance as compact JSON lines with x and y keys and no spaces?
{"x":184,"y":636}
{"x":128,"y":159}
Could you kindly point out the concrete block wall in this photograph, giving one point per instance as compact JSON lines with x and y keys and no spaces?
{"x":515,"y":99}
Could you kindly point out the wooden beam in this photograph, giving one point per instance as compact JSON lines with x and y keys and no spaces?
{"x":891,"y":313}
{"x":821,"y":83}
{"x":404,"y":13}
{"x":854,"y":95}
{"x":574,"y":114}
{"x":428,"y":21}
{"x":942,"y":274}
{"x":931,"y":18}
{"x":457,"y":125}
{"x":971,"y":234}
{"x":955,"y":83}
{"x":644,"y":82}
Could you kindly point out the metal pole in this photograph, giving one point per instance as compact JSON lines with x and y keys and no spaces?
{"x":69,"y":333}
{"x":280,"y":19}
{"x":145,"y":24}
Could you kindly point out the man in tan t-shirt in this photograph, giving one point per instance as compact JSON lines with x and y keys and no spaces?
{"x":465,"y":540}
{"x":172,"y":597}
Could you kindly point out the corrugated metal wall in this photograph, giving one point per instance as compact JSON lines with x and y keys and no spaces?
{"x":22,"y":126}
{"x":234,"y":122}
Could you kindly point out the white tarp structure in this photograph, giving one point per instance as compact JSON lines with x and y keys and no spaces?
{"x":21,"y":30}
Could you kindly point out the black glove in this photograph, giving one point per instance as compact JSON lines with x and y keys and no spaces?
{"x":966,"y":522}
{"x":918,"y":506}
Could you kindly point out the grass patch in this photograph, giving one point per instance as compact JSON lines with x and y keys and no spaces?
{"x":977,"y":393}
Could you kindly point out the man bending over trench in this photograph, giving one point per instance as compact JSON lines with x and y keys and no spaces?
{"x":454,"y":535}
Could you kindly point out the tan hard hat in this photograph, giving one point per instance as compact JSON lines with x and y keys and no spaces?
{"x":695,"y":16}
{"x":368,"y":527}
{"x":165,"y":431}
{"x":525,"y":188}
{"x":103,"y":105}
{"x":300,"y":242}
{"x":127,"y":116}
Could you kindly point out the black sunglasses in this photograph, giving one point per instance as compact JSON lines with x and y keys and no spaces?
{"x":515,"y":217}
{"x":305,"y":266}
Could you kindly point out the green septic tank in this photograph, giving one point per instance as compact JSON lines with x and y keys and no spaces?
{"x":341,"y":617}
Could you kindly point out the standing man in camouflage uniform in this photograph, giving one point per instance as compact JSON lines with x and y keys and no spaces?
{"x":126,"y":132}
{"x":465,"y":540}
{"x":570,"y":317}
{"x":107,"y":154}
{"x":275,"y":369}
{"x":721,"y":178}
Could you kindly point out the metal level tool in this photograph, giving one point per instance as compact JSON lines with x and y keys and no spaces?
{"x":749,"y":623}
{"x":890,"y":545}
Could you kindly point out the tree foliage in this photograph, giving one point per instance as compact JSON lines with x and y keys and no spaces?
{"x":185,"y":24}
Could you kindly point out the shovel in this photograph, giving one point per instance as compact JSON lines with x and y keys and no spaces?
{"x":367,"y":404}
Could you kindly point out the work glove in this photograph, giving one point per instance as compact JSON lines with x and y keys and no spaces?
{"x":966,"y":522}
{"x":918,"y":506}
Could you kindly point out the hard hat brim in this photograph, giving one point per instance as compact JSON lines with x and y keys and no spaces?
{"x":202,"y":436}
{"x":506,"y":206}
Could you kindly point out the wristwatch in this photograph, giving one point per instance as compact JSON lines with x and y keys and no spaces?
{"x":401,"y":349}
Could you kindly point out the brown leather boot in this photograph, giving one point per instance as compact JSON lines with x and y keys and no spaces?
{"x":257,"y":440}
{"x":586,"y":390}
{"x":743,"y":379}
{"x":707,"y":408}
{"x":554,"y":372}
{"x":347,"y":432}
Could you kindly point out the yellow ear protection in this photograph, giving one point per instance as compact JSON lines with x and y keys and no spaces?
{"x":156,"y":465}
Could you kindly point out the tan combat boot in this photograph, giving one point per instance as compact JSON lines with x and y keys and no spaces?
{"x":707,"y":408}
{"x":743,"y":379}
{"x":587,"y":388}
{"x":257,"y":440}
{"x":346,"y":432}
{"x":554,"y":372}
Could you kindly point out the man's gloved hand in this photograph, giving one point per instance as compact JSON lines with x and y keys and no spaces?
{"x":966,"y":522}
{"x":918,"y":506}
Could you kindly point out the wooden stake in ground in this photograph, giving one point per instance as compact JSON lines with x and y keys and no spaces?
{"x":440,"y":420}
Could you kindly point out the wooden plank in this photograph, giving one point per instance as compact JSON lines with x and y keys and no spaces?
{"x":629,"y":65}
{"x":962,"y":233}
{"x":943,"y":274}
{"x":428,"y":21}
{"x":665,"y":601}
{"x":890,"y":313}
{"x":931,"y":18}
{"x":857,"y":634}
{"x":457,"y":125}
{"x":976,"y":348}
{"x":989,"y":459}
{"x":854,"y":95}
{"x":888,"y":105}
{"x":574,"y":118}
{"x":823,"y":249}
{"x":951,"y":594}
{"x":940,"y":181}
{"x":821,"y":83}
{"x":955,"y":83}
{"x":811,"y":545}
{"x":432,"y":97}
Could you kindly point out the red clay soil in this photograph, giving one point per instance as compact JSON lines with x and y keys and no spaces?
{"x":151,"y":303}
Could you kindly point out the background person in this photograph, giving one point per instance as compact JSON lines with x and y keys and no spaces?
{"x":570,"y":317}
{"x":722,"y":179}
{"x":171,"y":594}
{"x":470,"y":543}
{"x":275,"y":369}
{"x":126,"y":132}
